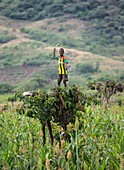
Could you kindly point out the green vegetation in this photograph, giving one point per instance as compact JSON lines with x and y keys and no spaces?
{"x":93,"y":127}
{"x":4,"y":97}
{"x":86,"y":68}
{"x":31,"y":84}
{"x":94,"y":26}
{"x":95,"y":136}
{"x":104,"y":19}
{"x":5,"y":37}
{"x":5,"y":88}
{"x":51,"y":37}
{"x":10,"y":55}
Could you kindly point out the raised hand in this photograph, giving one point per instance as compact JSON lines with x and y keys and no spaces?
{"x":54,"y":50}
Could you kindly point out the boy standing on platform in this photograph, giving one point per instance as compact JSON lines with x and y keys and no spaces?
{"x":62,"y":66}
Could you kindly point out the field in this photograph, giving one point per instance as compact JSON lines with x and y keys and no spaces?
{"x":94,"y":135}
{"x":97,"y":144}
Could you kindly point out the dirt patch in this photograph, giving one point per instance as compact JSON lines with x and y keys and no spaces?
{"x":15,"y":42}
{"x":17,"y":74}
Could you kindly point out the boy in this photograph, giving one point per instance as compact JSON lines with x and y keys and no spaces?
{"x":62,"y":66}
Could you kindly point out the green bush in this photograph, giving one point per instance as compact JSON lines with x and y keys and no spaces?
{"x":121,"y":4}
{"x":51,"y":73}
{"x":61,"y":28}
{"x":5,"y":88}
{"x":4,"y":38}
{"x":100,"y":12}
{"x":82,"y":7}
{"x":54,"y":8}
{"x":121,"y":76}
{"x":105,"y":78}
{"x":34,"y":83}
{"x":86,"y":68}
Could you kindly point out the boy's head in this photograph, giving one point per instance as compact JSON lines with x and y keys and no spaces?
{"x":61,"y":51}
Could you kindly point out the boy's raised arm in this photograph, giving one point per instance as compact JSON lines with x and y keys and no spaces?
{"x":54,"y":53}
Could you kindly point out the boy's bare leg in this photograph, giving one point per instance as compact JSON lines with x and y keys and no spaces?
{"x":59,"y":79}
{"x":59,"y":83}
{"x":64,"y":82}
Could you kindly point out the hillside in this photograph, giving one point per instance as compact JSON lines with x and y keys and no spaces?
{"x":105,"y":19}
{"x":26,"y":43}
{"x":26,"y":59}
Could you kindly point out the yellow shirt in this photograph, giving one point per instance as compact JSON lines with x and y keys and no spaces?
{"x":62,"y":61}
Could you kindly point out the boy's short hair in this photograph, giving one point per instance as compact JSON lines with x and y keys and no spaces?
{"x":61,"y":49}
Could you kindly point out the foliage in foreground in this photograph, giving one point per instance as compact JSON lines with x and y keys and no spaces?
{"x":96,"y":141}
{"x":59,"y":105}
{"x":97,"y":144}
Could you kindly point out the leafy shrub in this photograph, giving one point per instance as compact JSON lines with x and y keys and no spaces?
{"x":32,"y":84}
{"x":39,"y":82}
{"x":101,"y":12}
{"x":121,"y":76}
{"x":59,"y":104}
{"x":105,"y":78}
{"x":12,"y":98}
{"x":5,"y":88}
{"x":82,"y":7}
{"x":54,"y":8}
{"x":61,"y":28}
{"x":86,"y":68}
{"x":51,"y":73}
{"x":4,"y":38}
{"x":120,"y":102}
{"x":121,"y":4}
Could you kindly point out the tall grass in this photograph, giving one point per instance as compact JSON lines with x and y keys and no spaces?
{"x":95,"y":142}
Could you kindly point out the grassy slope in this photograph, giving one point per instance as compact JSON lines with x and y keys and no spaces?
{"x":33,"y":46}
{"x":104,"y":33}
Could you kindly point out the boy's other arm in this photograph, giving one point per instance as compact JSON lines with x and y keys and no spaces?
{"x":54,"y":53}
